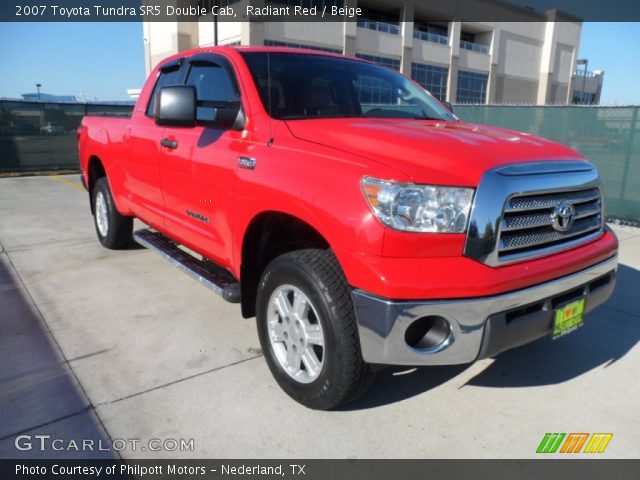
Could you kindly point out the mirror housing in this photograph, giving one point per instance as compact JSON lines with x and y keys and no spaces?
{"x":223,"y":114}
{"x":176,"y":106}
{"x":231,"y":116}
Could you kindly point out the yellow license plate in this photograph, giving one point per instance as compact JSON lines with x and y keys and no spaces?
{"x":568,"y":318}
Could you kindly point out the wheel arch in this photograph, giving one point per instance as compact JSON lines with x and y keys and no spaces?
{"x":268,"y":235}
{"x":95,"y":171}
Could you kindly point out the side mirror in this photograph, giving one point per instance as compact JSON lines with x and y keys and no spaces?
{"x":176,"y":106}
{"x":448,"y":106}
{"x":231,"y":116}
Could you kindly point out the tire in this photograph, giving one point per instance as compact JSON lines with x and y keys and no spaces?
{"x":338,"y":374}
{"x":113,"y":229}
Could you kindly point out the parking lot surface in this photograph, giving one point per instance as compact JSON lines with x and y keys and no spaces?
{"x":120,"y":345}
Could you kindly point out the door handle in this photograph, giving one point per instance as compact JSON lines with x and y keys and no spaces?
{"x":166,"y":142}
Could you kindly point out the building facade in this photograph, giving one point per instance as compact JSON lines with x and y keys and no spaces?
{"x":587,"y":87}
{"x":524,"y":62}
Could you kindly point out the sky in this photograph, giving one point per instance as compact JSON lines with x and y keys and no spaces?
{"x":97,"y":60}
{"x":613,"y":47}
{"x":103,"y":60}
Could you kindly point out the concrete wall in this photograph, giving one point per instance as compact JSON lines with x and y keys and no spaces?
{"x":329,"y":36}
{"x":474,"y":61}
{"x":431,"y":53}
{"x":379,"y":43}
{"x":514,"y":90}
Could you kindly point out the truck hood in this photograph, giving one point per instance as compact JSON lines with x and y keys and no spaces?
{"x":429,"y":151}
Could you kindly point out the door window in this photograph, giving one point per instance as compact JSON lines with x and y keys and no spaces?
{"x":213,"y":85}
{"x":167,"y":77}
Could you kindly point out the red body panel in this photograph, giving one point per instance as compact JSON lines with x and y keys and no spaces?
{"x":312,"y":170}
{"x":460,"y":277}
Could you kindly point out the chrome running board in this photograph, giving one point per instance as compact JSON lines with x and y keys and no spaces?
{"x":206,"y":272}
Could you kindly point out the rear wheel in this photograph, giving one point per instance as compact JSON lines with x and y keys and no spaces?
{"x":113,"y":229}
{"x":308,"y":332}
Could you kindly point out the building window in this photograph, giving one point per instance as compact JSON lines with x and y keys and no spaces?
{"x":431,"y":32}
{"x":276,"y":43}
{"x":433,"y":78}
{"x":472,"y":87}
{"x":374,"y":91}
{"x":468,"y":37}
{"x":384,"y":61}
{"x":468,"y":42}
{"x":583,"y":98}
{"x":379,"y":21}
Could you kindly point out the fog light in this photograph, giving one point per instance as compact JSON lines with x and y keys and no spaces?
{"x":427,"y":333}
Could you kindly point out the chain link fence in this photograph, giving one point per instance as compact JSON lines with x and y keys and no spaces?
{"x":608,"y":136}
{"x":41,"y":136}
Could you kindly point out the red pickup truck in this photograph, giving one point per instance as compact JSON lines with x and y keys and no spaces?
{"x":350,"y":212}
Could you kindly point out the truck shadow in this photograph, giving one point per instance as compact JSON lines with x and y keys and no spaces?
{"x":609,"y":333}
{"x":397,"y":383}
{"x":209,"y":136}
{"x":38,"y":393}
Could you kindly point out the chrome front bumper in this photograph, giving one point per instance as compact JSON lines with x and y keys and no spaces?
{"x":479,"y":327}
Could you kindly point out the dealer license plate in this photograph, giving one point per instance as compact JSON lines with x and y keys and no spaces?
{"x":568,"y":318}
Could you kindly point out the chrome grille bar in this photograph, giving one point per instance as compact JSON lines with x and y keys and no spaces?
{"x":520,"y":211}
{"x":539,"y":238}
{"x":535,"y":202}
{"x":527,"y":224}
{"x":533,"y":220}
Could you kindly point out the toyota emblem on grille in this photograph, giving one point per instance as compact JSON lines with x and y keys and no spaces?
{"x":562,"y":217}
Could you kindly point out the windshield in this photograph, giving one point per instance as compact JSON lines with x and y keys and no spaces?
{"x":304,"y":86}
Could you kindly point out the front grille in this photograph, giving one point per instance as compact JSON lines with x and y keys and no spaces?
{"x":527,"y":228}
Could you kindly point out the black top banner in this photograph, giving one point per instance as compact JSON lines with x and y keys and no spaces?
{"x":314,"y":10}
{"x":321,"y":469}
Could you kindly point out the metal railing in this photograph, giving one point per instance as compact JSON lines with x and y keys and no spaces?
{"x":380,"y":26}
{"x":583,"y":73}
{"x":474,"y":47}
{"x":431,"y":37}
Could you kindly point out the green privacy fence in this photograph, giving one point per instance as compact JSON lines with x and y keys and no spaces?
{"x":608,"y":136}
{"x":41,"y":136}
{"x":38,"y":136}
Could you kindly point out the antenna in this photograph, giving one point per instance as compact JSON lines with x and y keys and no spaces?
{"x":270,"y":142}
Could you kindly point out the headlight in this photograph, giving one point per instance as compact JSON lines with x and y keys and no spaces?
{"x":419,"y":208}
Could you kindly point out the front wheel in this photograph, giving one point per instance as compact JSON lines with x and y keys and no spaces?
{"x":113,"y":229}
{"x":308,"y":331}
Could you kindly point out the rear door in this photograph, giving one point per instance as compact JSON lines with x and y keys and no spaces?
{"x":142,"y":170}
{"x":198,"y":175}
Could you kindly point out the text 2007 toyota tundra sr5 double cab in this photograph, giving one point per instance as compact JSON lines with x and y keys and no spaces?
{"x":350,"y":212}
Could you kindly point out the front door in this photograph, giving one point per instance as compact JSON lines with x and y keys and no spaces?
{"x":143,"y":155}
{"x":198,"y":175}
